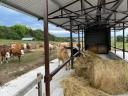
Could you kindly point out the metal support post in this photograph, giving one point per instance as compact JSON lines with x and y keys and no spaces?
{"x":123,"y":41}
{"x":82,"y":40}
{"x":114,"y":39}
{"x":46,"y":48}
{"x":79,"y":45}
{"x":71,"y":42}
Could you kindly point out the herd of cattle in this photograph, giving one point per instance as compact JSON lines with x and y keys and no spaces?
{"x":9,"y":51}
{"x":17,"y":49}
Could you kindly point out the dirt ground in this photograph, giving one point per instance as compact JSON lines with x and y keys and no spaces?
{"x":13,"y":69}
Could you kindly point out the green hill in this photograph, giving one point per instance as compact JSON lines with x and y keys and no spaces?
{"x":18,"y":31}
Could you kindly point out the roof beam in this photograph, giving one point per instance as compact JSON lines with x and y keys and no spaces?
{"x":116,"y":11}
{"x":76,"y":17}
{"x":62,"y":8}
{"x":82,"y":6}
{"x":116,"y":22}
{"x":87,"y":9}
{"x":98,"y":12}
{"x":89,"y":3}
{"x":114,"y":7}
{"x":72,"y":12}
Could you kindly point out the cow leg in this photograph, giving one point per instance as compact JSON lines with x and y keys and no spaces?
{"x":59,"y":62}
{"x":2,"y":59}
{"x":11,"y":56}
{"x":69,"y":65}
{"x":6,"y":60}
{"x":19,"y":58}
{"x":66,"y":66}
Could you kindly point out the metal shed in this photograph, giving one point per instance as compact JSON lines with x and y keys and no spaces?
{"x":94,"y":18}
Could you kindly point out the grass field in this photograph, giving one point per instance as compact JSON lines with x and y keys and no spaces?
{"x":119,"y":44}
{"x":3,"y":41}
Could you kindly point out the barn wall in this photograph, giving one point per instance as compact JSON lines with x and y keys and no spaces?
{"x":97,"y":39}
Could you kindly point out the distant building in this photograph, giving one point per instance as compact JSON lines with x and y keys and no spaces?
{"x":28,"y":39}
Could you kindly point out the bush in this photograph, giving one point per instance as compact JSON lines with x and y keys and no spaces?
{"x":119,"y":38}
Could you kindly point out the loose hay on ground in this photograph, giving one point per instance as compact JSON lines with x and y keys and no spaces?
{"x":110,"y":76}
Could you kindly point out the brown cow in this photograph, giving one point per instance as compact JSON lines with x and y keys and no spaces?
{"x":16,"y":50}
{"x":5,"y":53}
{"x":62,"y":55}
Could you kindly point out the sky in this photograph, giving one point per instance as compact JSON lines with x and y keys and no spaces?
{"x":9,"y":17}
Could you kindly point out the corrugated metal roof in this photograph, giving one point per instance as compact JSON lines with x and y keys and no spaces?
{"x":60,"y":10}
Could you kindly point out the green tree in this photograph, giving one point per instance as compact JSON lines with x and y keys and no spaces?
{"x":38,"y":34}
{"x":119,"y":38}
{"x":127,"y":39}
{"x":21,"y":30}
{"x":3,"y":32}
{"x":18,"y":31}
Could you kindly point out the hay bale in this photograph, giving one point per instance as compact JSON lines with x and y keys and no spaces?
{"x":76,"y":86}
{"x":84,"y":64}
{"x":110,"y":76}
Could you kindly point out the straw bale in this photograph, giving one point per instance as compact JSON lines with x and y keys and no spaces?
{"x":110,"y":76}
{"x":77,"y":86}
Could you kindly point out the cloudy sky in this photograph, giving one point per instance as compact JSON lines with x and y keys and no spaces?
{"x":9,"y":17}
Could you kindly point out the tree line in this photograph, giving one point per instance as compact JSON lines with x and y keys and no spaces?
{"x":119,"y":38}
{"x":17,"y":32}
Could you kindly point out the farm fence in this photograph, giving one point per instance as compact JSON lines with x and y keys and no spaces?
{"x":37,"y":81}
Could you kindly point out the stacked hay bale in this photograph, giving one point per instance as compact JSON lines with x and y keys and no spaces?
{"x":110,"y":76}
{"x":78,"y":86}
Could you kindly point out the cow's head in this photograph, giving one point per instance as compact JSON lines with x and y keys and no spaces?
{"x":7,"y":55}
{"x":22,"y":52}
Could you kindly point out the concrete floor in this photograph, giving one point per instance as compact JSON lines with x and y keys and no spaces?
{"x":12,"y":87}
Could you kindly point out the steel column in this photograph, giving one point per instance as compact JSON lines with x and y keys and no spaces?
{"x":71,"y":38}
{"x":127,"y":5}
{"x":79,"y":38}
{"x":123,"y":42}
{"x":81,"y":1}
{"x":46,"y":48}
{"x":114,"y":40}
{"x":82,"y":40}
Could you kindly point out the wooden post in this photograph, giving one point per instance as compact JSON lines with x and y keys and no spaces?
{"x":39,"y":86}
